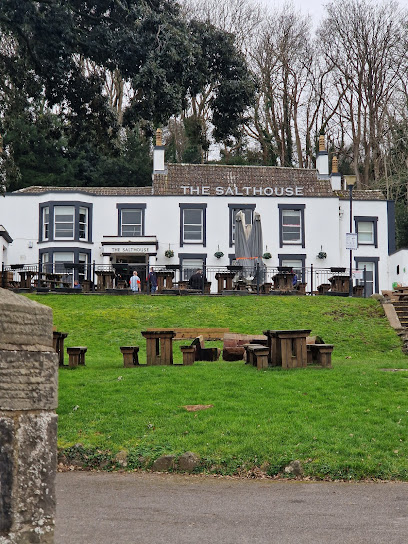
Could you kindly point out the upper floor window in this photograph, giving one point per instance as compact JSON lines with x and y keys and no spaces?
{"x":46,"y":223}
{"x":366,"y":228}
{"x":83,"y":223}
{"x":291,"y":220}
{"x":131,"y":219}
{"x":65,"y":221}
{"x":64,"y":217}
{"x":247,"y":210}
{"x":131,"y":223}
{"x":193,"y":224}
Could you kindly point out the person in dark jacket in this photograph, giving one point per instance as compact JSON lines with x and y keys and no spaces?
{"x":152,"y":279}
{"x":196,"y":280}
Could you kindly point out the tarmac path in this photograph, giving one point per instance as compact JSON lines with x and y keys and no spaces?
{"x":138,"y":508}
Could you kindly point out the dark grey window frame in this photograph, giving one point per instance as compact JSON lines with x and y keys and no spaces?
{"x":295,"y":257}
{"x":121,"y":207}
{"x":374,"y":260}
{"x":186,"y":206}
{"x":233,"y":207}
{"x":295,"y":207}
{"x":182,"y":256}
{"x":76,"y":205}
{"x":367,"y":219}
{"x":75,"y":250}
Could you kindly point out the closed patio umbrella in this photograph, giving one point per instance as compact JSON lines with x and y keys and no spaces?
{"x":242,"y":251}
{"x":255,"y":246}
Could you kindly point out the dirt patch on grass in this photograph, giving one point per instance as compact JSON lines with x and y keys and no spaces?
{"x":197,"y":407}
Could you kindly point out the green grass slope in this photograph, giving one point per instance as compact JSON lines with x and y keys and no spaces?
{"x":348,"y":422}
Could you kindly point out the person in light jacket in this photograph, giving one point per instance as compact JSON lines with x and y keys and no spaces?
{"x":135,"y":282}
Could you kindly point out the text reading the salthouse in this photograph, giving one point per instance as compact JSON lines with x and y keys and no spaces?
{"x":206,"y":190}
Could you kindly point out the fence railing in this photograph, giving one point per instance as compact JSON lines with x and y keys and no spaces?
{"x":255,"y":279}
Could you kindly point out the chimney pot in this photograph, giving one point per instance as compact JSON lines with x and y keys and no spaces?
{"x":159,"y":134}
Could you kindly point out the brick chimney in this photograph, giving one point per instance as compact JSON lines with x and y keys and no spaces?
{"x":322,"y":159}
{"x":158,"y":154}
{"x":335,"y":177}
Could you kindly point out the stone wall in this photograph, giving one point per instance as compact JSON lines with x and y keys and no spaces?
{"x":28,"y":423}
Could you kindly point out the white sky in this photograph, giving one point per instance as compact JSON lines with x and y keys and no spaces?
{"x":314,"y":8}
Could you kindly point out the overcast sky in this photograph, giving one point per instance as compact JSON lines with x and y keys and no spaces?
{"x":314,"y":8}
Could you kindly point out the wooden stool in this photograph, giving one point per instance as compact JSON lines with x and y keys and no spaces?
{"x":257,"y":355}
{"x":130,"y":355}
{"x":188,"y":354}
{"x":76,"y":356}
{"x":321,"y":354}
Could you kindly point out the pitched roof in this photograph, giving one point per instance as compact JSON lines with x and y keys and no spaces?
{"x":98,"y":191}
{"x":179,"y":176}
{"x":230,"y":180}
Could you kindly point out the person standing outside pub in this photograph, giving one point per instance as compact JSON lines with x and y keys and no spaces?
{"x":135,"y":282}
{"x":196,"y":280}
{"x":152,"y":279}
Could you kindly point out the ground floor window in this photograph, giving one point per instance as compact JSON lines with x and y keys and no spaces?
{"x":190,"y":263}
{"x":296,"y":263}
{"x":62,"y":260}
{"x":71,"y":265}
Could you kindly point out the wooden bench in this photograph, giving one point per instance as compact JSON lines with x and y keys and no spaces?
{"x":301,"y":287}
{"x":323,"y":288}
{"x":130,"y":356}
{"x":76,"y":356}
{"x":202,"y":353}
{"x":189,"y":354}
{"x":257,"y":355}
{"x":320,"y":354}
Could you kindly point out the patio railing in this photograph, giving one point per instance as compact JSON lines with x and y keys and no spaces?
{"x":257,"y":279}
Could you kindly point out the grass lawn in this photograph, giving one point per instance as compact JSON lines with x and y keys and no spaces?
{"x":349,"y":422}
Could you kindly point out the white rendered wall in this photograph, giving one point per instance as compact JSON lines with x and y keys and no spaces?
{"x":398,"y":268}
{"x":326,"y":225}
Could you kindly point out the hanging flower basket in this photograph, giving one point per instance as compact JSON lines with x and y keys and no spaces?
{"x":218,"y":254}
{"x":169,"y":253}
{"x":321,"y":255}
{"x":267,"y":255}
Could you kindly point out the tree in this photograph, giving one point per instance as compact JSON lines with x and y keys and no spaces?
{"x":365,"y":51}
{"x":78,"y":59}
{"x":282,"y":58}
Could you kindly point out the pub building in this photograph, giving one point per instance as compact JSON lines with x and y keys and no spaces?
{"x":188,"y":215}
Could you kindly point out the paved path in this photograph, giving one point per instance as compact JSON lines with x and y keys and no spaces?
{"x":101,"y":508}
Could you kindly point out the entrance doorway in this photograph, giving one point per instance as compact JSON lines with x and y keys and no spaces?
{"x":370,"y":276}
{"x":124,"y":265}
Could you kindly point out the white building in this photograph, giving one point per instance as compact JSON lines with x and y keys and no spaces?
{"x":190,"y":210}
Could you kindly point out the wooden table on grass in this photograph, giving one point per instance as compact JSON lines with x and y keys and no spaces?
{"x":287,"y":348}
{"x":159,"y":346}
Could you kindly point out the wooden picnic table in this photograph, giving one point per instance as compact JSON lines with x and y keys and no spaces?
{"x":164,"y":280}
{"x":340,"y":284}
{"x":224,"y":280}
{"x":52,"y":280}
{"x":159,"y":346}
{"x":283,"y":281}
{"x":58,"y":343}
{"x":287,"y":348}
{"x":25,"y":278}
